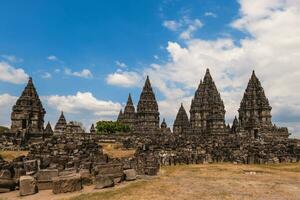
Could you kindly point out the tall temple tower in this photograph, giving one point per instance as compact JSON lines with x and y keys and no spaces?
{"x":255,"y":111}
{"x":147,"y":116}
{"x":128,"y":117}
{"x":27,"y":117}
{"x":181,"y":124}
{"x":207,"y":108}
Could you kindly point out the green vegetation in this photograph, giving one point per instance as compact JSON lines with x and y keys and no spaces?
{"x":3,"y":129}
{"x":110,"y":127}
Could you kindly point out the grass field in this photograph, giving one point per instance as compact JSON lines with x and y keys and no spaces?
{"x":194,"y":182}
{"x":212,"y":182}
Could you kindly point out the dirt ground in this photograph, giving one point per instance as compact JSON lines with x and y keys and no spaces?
{"x":209,"y":181}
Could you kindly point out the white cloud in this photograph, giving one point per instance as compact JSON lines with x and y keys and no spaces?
{"x":210,"y":14}
{"x":9,"y":73}
{"x":52,"y":58}
{"x":172,"y":25}
{"x":192,"y":27}
{"x":12,"y":58}
{"x":83,"y":102}
{"x":124,"y":79}
{"x":156,"y":57}
{"x":46,"y":75}
{"x":6,"y":103}
{"x":85,"y":73}
{"x":121,"y":64}
{"x":185,"y":26}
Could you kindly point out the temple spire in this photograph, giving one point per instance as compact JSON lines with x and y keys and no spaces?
{"x":28,"y":112}
{"x":147,"y":116}
{"x":207,"y":108}
{"x":181,"y":124}
{"x":255,"y":111}
{"x":61,"y":124}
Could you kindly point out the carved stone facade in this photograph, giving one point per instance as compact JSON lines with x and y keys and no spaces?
{"x":27,"y":117}
{"x":207,"y":113}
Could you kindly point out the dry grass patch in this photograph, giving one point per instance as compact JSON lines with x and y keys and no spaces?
{"x":211,"y":182}
{"x":116,"y":150}
{"x":10,"y":155}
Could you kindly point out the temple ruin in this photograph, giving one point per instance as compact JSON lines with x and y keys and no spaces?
{"x":67,"y":157}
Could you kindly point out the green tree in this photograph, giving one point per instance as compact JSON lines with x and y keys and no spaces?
{"x":3,"y":129}
{"x":111,"y":127}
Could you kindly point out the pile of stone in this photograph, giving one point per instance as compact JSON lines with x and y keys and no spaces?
{"x":77,"y":151}
{"x":67,"y":162}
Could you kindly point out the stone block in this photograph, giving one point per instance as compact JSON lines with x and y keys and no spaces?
{"x":69,"y":183}
{"x":130,"y":174}
{"x":7,"y":184}
{"x":27,"y":185}
{"x":103,"y":182}
{"x":44,"y":178}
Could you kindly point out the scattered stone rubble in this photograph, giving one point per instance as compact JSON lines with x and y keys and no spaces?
{"x":65,"y":163}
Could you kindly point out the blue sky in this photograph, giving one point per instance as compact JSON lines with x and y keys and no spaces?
{"x":99,"y":51}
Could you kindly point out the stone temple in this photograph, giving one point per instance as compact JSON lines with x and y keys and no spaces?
{"x":207,"y":108}
{"x":27,"y":117}
{"x":146,"y":118}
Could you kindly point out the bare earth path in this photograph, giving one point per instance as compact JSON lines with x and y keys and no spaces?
{"x":209,"y":181}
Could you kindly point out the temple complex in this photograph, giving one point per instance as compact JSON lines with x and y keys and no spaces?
{"x":207,"y":113}
{"x":27,"y":117}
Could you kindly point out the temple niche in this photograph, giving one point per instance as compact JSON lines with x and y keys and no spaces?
{"x":27,"y":117}
{"x":207,"y":113}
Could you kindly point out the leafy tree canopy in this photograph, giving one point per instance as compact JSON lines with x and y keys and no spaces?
{"x":111,"y":127}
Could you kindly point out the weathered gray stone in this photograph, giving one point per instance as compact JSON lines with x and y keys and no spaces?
{"x":27,"y":185}
{"x":70,"y":183}
{"x":130,"y":174}
{"x":103,"y":182}
{"x":44,"y":178}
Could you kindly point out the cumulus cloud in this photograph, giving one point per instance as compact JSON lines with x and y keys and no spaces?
{"x":6,"y":103}
{"x":11,"y":74}
{"x":124,"y":79}
{"x":272,"y":50}
{"x":83,"y":102}
{"x":85,"y":73}
{"x":185,"y":26}
{"x":120,"y":64}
